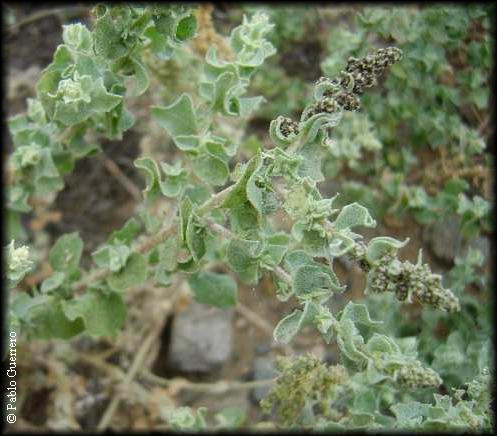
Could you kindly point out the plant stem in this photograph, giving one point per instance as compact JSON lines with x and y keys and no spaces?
{"x":137,"y":363}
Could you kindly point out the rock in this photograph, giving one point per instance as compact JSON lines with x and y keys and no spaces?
{"x":264,"y":369}
{"x":201,"y":339}
{"x":444,"y":238}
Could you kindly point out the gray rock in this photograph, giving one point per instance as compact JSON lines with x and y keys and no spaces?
{"x":444,"y":238}
{"x":264,"y":369}
{"x":201,"y":339}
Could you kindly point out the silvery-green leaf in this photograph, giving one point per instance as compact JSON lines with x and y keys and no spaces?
{"x":178,"y":118}
{"x":152,"y":176}
{"x":379,"y":246}
{"x":108,"y":39}
{"x":141,"y":80}
{"x":127,"y":233}
{"x":351,"y":342}
{"x":358,"y":313}
{"x":185,"y":210}
{"x":210,"y":169}
{"x":66,"y":253}
{"x":238,"y":194}
{"x":353,"y":215}
{"x":77,"y":36}
{"x":112,"y":256}
{"x":103,"y":313}
{"x":244,"y":220}
{"x":132,"y":274}
{"x":277,"y":136}
{"x":218,"y":290}
{"x":288,"y":327}
{"x":48,"y":321}
{"x":242,"y":257}
{"x":309,"y":280}
{"x":53,"y":282}
{"x":195,"y":234}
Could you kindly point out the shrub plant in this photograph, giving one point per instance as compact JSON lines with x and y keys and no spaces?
{"x":229,"y":208}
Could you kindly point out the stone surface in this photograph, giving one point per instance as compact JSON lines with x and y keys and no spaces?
{"x":201,"y":339}
{"x":444,"y":238}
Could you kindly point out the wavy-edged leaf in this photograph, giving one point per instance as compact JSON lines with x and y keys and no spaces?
{"x":217,"y":290}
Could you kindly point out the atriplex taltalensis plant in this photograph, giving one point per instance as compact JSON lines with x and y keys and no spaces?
{"x":224,"y":215}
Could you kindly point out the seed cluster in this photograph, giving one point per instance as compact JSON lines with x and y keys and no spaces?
{"x":406,"y":279}
{"x":344,"y":91}
{"x":415,"y":376}
{"x":363,"y":73}
{"x":302,"y":380}
{"x":324,"y":105}
{"x":358,"y":75}
{"x":288,"y":126}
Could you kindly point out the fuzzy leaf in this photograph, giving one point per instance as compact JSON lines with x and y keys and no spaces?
{"x":238,"y":194}
{"x":210,"y":169}
{"x":53,"y":282}
{"x":103,"y":313}
{"x":152,"y":176}
{"x":66,"y":253}
{"x":48,"y":321}
{"x":218,"y":290}
{"x":379,"y":246}
{"x":354,"y":215}
{"x":133,"y":273}
{"x":358,"y":313}
{"x":178,"y":118}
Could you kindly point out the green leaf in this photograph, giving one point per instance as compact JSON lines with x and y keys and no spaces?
{"x":310,"y":280}
{"x":185,"y":210}
{"x":238,"y":195}
{"x":214,"y":289}
{"x":48,"y":321}
{"x":66,"y":253}
{"x":152,"y":176}
{"x":103,"y":313}
{"x":242,"y":257}
{"x":127,"y":233}
{"x":354,"y":215}
{"x":381,"y":245}
{"x":358,"y":313}
{"x":101,"y":99}
{"x":133,"y":273}
{"x":288,"y":327}
{"x":111,"y":256}
{"x":186,"y":27}
{"x":108,"y":41}
{"x":141,"y":80}
{"x":210,"y":169}
{"x":53,"y":282}
{"x":178,"y":118}
{"x":176,"y":179}
{"x":195,"y":234}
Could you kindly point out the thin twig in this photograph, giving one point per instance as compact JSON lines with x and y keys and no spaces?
{"x":130,"y":375}
{"x":68,"y":11}
{"x":122,"y":178}
{"x":218,"y":387}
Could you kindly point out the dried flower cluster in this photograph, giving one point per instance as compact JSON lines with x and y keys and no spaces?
{"x":416,"y":376}
{"x":407,"y":279}
{"x":304,"y":381}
